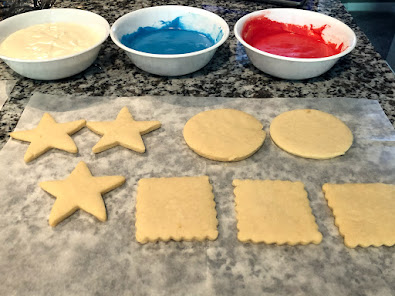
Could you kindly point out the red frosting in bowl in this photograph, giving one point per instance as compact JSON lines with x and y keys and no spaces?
{"x":288,"y":40}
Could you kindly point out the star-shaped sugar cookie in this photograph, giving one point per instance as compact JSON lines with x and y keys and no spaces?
{"x":82,"y":191}
{"x":47,"y":135}
{"x":124,"y":131}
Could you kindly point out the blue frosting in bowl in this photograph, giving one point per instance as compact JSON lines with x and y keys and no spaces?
{"x":178,"y":36}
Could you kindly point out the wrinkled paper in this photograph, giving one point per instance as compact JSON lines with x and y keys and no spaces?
{"x":6,"y":87}
{"x":86,"y":257}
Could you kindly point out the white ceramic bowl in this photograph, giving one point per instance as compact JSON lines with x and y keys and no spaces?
{"x":298,"y":68}
{"x":61,"y":67}
{"x":195,"y":19}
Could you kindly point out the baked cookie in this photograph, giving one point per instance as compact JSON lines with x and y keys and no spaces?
{"x":80,"y":190}
{"x":274,"y":212}
{"x":224,"y":134}
{"x":180,"y":208}
{"x":364,"y":213}
{"x":123,"y":131}
{"x":47,"y":135}
{"x":311,"y":133}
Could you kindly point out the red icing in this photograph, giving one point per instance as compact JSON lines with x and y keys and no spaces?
{"x":287,"y":40}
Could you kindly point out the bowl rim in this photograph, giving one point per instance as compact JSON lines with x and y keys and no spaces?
{"x":51,"y":10}
{"x":225,"y":36}
{"x":243,"y":19}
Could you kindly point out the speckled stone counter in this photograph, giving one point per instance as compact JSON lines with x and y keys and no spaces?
{"x":361,"y":74}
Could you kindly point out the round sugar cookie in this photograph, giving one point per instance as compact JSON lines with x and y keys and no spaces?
{"x":311,"y":133}
{"x":224,"y":134}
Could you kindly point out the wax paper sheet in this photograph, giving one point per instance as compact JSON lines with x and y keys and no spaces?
{"x":82,"y":256}
{"x":6,"y":87}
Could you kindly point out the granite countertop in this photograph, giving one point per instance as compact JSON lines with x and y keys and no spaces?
{"x":361,"y":74}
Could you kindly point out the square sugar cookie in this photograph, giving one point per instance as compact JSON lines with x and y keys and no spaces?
{"x":180,"y":208}
{"x":274,"y":212}
{"x":364,"y":213}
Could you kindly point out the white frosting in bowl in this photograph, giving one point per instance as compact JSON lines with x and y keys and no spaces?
{"x":50,"y":40}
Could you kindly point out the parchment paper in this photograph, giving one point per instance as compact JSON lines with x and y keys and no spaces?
{"x":82,"y":256}
{"x":6,"y":87}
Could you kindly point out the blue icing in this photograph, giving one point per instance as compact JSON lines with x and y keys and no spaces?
{"x":181,"y":35}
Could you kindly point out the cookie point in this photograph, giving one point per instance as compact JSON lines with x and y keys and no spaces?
{"x":96,"y":150}
{"x":122,"y":179}
{"x":28,"y":158}
{"x":52,"y":222}
{"x":102,"y":217}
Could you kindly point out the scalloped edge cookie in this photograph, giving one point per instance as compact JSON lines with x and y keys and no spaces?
{"x":274,"y":212}
{"x":178,"y":208}
{"x":364,"y":212}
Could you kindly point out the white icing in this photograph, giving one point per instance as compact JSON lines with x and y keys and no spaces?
{"x":51,"y":40}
